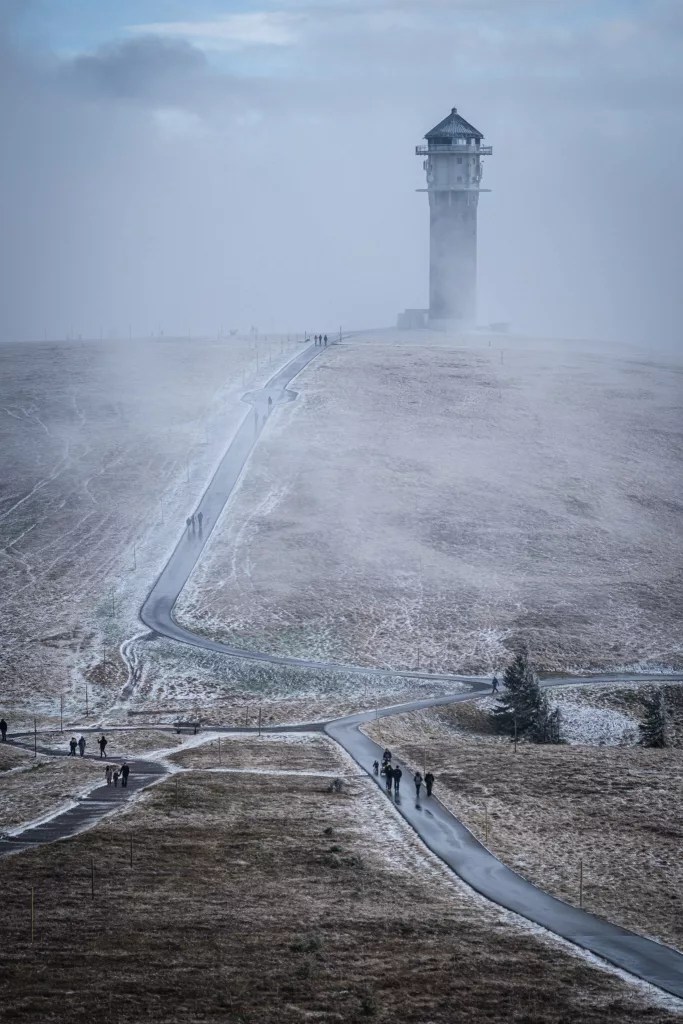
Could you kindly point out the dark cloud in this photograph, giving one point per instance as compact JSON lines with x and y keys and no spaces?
{"x":277,"y":186}
{"x":147,"y":68}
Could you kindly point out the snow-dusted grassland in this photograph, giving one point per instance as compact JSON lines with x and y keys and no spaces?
{"x":599,"y":798}
{"x":440,"y":501}
{"x":105,"y":449}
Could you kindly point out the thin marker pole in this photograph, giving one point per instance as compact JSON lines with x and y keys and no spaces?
{"x":61,"y":713}
{"x":259,"y":721}
{"x":92,"y":878}
{"x":33,"y":914}
{"x":219,"y":750}
{"x":86,"y":689}
{"x":486,"y":821}
{"x":131,"y":849}
{"x":35,"y":738}
{"x":581,"y":882}
{"x":176,"y":794}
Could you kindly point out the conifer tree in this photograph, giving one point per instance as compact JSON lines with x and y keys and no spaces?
{"x":523,"y":707}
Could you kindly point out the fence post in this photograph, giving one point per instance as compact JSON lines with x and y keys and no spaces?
{"x":92,"y":878}
{"x":219,"y":750}
{"x":61,"y":713}
{"x":35,"y":738}
{"x":581,"y":882}
{"x":33,"y":913}
{"x":131,"y":849}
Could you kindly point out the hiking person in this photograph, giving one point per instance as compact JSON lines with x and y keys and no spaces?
{"x":417,"y":779}
{"x":375,"y":767}
{"x":72,"y":746}
{"x":429,"y":782}
{"x":494,"y":685}
{"x":200,"y":519}
{"x":188,"y":522}
{"x":81,"y":744}
{"x":192,"y":520}
{"x":103,"y":745}
{"x":116,"y":777}
{"x":3,"y":730}
{"x":388,"y":776}
{"x":270,"y":404}
{"x":325,"y":340}
{"x":386,"y":756}
{"x":125,"y":772}
{"x":397,"y":773}
{"x":108,"y":773}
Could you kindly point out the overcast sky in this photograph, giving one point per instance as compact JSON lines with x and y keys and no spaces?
{"x":192,"y":165}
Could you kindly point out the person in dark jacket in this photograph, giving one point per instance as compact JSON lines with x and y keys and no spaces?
{"x":81,"y":745}
{"x":125,"y":772}
{"x":72,"y":746}
{"x":388,"y":776}
{"x":3,"y":729}
{"x":103,"y":745}
{"x":375,"y":767}
{"x":494,"y":685}
{"x":397,"y":773}
{"x":429,"y":782}
{"x":417,"y":779}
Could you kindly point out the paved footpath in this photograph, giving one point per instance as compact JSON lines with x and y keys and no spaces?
{"x":440,"y":830}
{"x":89,"y":809}
{"x":448,"y":838}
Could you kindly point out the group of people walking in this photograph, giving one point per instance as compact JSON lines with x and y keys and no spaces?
{"x":113,"y":774}
{"x":393,"y":775}
{"x":196,"y":519}
{"x":320,"y":339}
{"x":80,"y":743}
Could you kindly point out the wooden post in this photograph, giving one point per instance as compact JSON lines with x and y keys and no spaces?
{"x":486,"y":822}
{"x":176,"y":794}
{"x":131,"y":849}
{"x":581,"y":882}
{"x":515,"y":734}
{"x":219,"y":750}
{"x":35,"y":738}
{"x":61,"y":713}
{"x":259,"y":720}
{"x":424,"y":762}
{"x":92,"y":878}
{"x":86,"y":696}
{"x":33,"y":913}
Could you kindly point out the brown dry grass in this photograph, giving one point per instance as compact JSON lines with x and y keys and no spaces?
{"x":40,"y":784}
{"x":269,"y":904}
{"x":121,"y":743}
{"x":618,"y":809}
{"x":286,"y":753}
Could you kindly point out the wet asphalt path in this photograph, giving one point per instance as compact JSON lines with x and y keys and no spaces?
{"x":448,"y":838}
{"x":157,"y":611}
{"x":90,"y":809}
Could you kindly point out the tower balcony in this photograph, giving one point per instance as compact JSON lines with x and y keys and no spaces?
{"x":457,"y":149}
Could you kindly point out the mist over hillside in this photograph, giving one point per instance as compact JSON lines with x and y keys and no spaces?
{"x":257,"y":167}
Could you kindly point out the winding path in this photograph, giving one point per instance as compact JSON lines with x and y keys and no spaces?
{"x":450,"y":840}
{"x":441,"y":831}
{"x":157,"y":610}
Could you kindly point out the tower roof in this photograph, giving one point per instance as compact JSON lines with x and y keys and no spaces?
{"x":452,"y":126}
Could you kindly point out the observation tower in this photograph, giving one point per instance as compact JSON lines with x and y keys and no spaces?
{"x":454,"y":168}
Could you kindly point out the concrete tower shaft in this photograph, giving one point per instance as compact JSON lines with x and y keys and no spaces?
{"x":454,"y":168}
